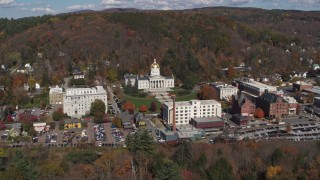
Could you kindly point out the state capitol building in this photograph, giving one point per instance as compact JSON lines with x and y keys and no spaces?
{"x":152,"y":82}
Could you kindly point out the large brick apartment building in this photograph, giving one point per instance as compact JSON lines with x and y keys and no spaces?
{"x":274,"y":106}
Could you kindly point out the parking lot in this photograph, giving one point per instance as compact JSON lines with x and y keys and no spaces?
{"x":297,"y":132}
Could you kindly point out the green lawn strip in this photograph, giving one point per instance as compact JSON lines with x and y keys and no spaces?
{"x":140,"y":101}
{"x":188,"y":97}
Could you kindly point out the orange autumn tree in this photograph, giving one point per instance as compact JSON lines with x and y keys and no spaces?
{"x":129,"y":106}
{"x":207,"y":92}
{"x":143,"y":108}
{"x":259,"y":113}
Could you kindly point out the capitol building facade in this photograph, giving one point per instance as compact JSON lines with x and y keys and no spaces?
{"x":152,"y":82}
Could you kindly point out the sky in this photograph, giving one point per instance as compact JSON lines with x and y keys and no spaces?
{"x":25,"y":8}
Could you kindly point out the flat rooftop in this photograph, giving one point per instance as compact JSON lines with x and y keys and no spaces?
{"x":315,"y":90}
{"x":259,"y":85}
{"x":189,"y":103}
{"x":207,"y":119}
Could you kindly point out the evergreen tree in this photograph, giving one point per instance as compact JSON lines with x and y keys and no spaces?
{"x":183,"y":155}
{"x":140,"y":142}
{"x":221,"y":170}
{"x":165,"y":169}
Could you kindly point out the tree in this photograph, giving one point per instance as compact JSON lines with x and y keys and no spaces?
{"x":183,"y":155}
{"x":98,"y":117}
{"x":32,"y":84}
{"x":58,"y":114}
{"x":97,"y":106}
{"x":166,"y":169}
{"x":273,"y":171}
{"x":129,"y":106}
{"x":153,"y":106}
{"x":143,"y":108}
{"x":85,"y":156}
{"x":140,"y":142}
{"x":117,"y":122}
{"x":221,"y":170}
{"x":231,"y":72}
{"x":207,"y":92}
{"x":112,"y":75}
{"x":259,"y":113}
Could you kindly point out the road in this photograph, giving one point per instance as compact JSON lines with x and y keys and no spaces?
{"x":111,"y":100}
{"x":152,"y":128}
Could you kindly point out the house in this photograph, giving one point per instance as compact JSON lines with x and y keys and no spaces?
{"x":77,"y":73}
{"x":242,"y":105}
{"x":315,"y":66}
{"x":2,"y":87}
{"x":225,"y":91}
{"x":273,"y":105}
{"x":139,"y":119}
{"x":40,"y":127}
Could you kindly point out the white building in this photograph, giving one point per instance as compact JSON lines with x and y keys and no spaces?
{"x":185,"y":110}
{"x":56,"y":95}
{"x":77,"y":101}
{"x":255,"y":88}
{"x":78,"y":76}
{"x":292,"y":104}
{"x":225,"y":91}
{"x":152,"y":82}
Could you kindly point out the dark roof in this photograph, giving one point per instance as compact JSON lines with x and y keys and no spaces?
{"x":143,"y":78}
{"x":129,"y":76}
{"x":240,"y":117}
{"x":270,"y":97}
{"x":76,"y":70}
{"x":138,"y":116}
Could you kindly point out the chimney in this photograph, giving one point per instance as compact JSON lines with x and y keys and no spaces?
{"x":174,"y":113}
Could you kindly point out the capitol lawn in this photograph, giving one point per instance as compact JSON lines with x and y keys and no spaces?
{"x":137,"y":101}
{"x":182,"y":95}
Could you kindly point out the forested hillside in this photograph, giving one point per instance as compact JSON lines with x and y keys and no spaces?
{"x":193,"y":45}
{"x":245,"y":161}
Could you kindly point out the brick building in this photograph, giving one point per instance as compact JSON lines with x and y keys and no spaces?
{"x":300,"y":85}
{"x":242,"y":105}
{"x":273,"y":105}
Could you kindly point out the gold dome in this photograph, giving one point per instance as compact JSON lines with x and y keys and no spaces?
{"x":155,"y":64}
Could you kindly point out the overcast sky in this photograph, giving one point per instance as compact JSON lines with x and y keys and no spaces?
{"x":23,"y":8}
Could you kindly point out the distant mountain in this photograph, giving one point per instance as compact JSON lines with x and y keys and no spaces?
{"x":194,"y":45}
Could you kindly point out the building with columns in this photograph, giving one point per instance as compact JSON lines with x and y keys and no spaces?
{"x":152,"y":82}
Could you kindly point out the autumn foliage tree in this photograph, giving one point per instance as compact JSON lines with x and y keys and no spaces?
{"x":129,"y":106}
{"x":207,"y":92}
{"x":231,"y":72}
{"x":153,"y":106}
{"x":259,"y":113}
{"x":143,"y":108}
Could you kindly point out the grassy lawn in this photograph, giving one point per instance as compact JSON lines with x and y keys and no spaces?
{"x":184,"y":95}
{"x":187,"y":97}
{"x":140,"y":101}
